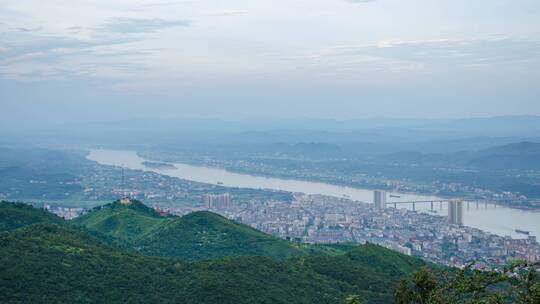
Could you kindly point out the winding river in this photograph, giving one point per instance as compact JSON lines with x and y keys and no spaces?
{"x":495,"y":219}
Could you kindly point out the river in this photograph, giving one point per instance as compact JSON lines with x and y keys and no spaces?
{"x":495,"y":219}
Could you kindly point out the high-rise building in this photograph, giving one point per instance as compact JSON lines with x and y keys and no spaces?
{"x":379,"y":199}
{"x":217,"y":201}
{"x":455,"y":213}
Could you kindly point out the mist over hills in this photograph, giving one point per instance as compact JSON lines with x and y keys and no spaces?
{"x":483,"y":154}
{"x":389,"y":134}
{"x":515,"y":156}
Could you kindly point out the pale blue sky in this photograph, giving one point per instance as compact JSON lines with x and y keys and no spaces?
{"x":97,"y":59}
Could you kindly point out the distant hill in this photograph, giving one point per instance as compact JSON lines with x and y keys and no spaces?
{"x":517,"y":156}
{"x":205,"y":235}
{"x":50,"y":263}
{"x":304,"y":150}
{"x":196,"y":236}
{"x":125,"y":222}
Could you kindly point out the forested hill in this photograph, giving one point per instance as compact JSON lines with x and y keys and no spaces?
{"x":46,"y":261}
{"x":206,"y":235}
{"x":196,"y":236}
{"x":17,"y":215}
{"x":125,"y":222}
{"x":518,"y":156}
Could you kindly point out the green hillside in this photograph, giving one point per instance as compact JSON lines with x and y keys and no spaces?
{"x":51,"y":264}
{"x":124,"y":222}
{"x":16,"y":215}
{"x":47,"y":263}
{"x":48,"y":260}
{"x":370,"y":269}
{"x":196,"y":236}
{"x":205,"y":235}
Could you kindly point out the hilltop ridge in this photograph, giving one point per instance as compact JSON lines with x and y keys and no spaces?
{"x":206,"y":235}
{"x":51,"y":260}
{"x":17,"y":215}
{"x":125,"y":222}
{"x":195,"y":236}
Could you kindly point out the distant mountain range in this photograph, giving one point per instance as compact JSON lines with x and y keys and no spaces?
{"x":384,"y":133}
{"x":518,"y":156}
{"x":44,"y":259}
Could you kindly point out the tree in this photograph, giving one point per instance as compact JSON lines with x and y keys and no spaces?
{"x":517,"y":284}
{"x":530,"y":293}
{"x":425,"y":284}
{"x":402,"y":294}
{"x":353,"y":299}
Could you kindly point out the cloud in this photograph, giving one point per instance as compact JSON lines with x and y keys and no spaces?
{"x":28,"y":30}
{"x":230,"y":13}
{"x":139,"y":25}
{"x":47,"y":44}
{"x":361,"y":1}
{"x":107,"y":50}
{"x":73,"y":64}
{"x":436,"y":53}
{"x":63,"y":57}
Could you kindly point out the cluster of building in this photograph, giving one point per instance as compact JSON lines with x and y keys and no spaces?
{"x":324,"y":219}
{"x":320,"y":219}
{"x":103,"y":183}
{"x":64,"y":212}
{"x":217,"y":201}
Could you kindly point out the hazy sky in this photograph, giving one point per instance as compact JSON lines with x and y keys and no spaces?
{"x":97,"y":59}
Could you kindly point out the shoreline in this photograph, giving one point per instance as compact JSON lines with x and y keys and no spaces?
{"x":333,"y":182}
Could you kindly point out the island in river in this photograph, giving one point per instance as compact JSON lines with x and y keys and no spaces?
{"x":158,"y":165}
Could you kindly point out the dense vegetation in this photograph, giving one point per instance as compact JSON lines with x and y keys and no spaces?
{"x":205,"y":235}
{"x":46,"y":262}
{"x":127,"y":223}
{"x":196,"y":236}
{"x":519,"y":284}
{"x":44,"y":259}
{"x":17,"y":215}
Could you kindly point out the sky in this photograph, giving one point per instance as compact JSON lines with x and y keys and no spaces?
{"x":92,"y":60}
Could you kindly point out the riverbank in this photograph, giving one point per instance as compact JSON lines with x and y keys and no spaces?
{"x":499,"y":220}
{"x":383,"y":185}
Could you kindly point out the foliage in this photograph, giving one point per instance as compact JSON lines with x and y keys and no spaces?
{"x":16,"y":215}
{"x":196,"y":236}
{"x":53,"y":263}
{"x":353,"y":299}
{"x":125,"y":222}
{"x":518,"y":284}
{"x":205,"y":235}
